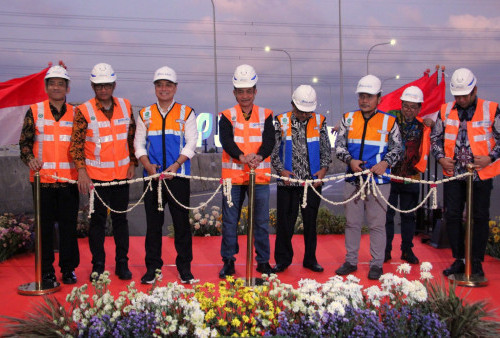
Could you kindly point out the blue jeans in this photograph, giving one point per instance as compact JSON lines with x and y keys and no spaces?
{"x":231,"y":216}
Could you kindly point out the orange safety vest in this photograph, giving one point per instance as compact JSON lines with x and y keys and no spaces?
{"x":425,"y":147}
{"x":106,"y":147}
{"x":52,"y":140}
{"x":248,"y":137}
{"x":479,"y":133}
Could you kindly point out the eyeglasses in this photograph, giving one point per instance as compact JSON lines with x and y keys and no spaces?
{"x":101,"y":86}
{"x":410,"y":107}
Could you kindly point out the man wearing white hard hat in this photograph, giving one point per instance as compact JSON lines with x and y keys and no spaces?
{"x":298,"y":132}
{"x":247,"y":138}
{"x":415,"y":133}
{"x":102,"y":147}
{"x":367,"y":139}
{"x":44,"y":147}
{"x":467,"y":131}
{"x":165,"y":141}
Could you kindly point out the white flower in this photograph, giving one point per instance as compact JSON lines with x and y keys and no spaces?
{"x":353,"y":279}
{"x":197,"y":226}
{"x":425,"y":275}
{"x":404,"y":268}
{"x":426,"y":266}
{"x":336,"y":307}
{"x":197,"y":216}
{"x":182,"y":330}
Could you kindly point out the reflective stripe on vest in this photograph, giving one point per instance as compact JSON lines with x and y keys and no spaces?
{"x":106,"y":148}
{"x":479,"y":133}
{"x":169,"y":129}
{"x":369,"y":145}
{"x":313,"y":128}
{"x":52,"y":141}
{"x":248,"y":137}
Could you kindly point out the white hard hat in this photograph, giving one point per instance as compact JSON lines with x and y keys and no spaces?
{"x":412,"y":94}
{"x":244,"y":77}
{"x":304,"y":98}
{"x":102,"y":73}
{"x":57,"y":71}
{"x":462,"y":82}
{"x":165,"y":73}
{"x":369,"y":84}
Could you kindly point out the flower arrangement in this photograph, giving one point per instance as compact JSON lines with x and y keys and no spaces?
{"x":339,"y":307}
{"x":15,"y":234}
{"x":206,"y":222}
{"x":493,"y":247}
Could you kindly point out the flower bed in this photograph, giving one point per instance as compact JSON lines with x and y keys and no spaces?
{"x":493,"y":246}
{"x":340,"y":307}
{"x":16,"y":235}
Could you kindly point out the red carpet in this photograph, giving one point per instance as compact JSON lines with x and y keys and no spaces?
{"x":207,"y":262}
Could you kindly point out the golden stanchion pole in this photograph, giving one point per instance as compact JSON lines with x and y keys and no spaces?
{"x":38,"y":287}
{"x":251,"y":208}
{"x":467,"y":279}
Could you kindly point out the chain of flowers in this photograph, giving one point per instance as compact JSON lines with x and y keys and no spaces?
{"x":202,"y":205}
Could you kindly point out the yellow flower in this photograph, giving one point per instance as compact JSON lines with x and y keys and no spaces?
{"x":230,"y":279}
{"x":236,"y":322}
{"x":492,"y":224}
{"x":222,"y":322}
{"x":495,"y":230}
{"x":497,"y":238}
{"x":245,"y":318}
{"x":210,"y":315}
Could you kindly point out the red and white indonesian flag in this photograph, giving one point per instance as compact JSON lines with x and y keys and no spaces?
{"x":16,"y":96}
{"x":434,"y":96}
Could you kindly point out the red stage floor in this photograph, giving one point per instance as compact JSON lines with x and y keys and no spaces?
{"x":207,"y":262}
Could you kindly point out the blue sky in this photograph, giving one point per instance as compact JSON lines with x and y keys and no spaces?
{"x":139,"y":37}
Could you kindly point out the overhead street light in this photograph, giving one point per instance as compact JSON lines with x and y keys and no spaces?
{"x":269,"y":49}
{"x":396,"y":77}
{"x":392,"y":43}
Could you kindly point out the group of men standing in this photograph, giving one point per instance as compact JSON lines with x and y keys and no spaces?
{"x":100,"y":142}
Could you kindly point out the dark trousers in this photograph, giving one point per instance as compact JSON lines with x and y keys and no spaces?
{"x":407,"y":196}
{"x":59,"y":205}
{"x":183,"y":241}
{"x":454,"y":203}
{"x":116,"y":197}
{"x":288,"y":202}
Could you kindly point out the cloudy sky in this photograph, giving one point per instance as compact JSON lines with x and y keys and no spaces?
{"x":138,"y":37}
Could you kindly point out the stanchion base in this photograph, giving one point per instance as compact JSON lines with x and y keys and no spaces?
{"x":461,"y":279}
{"x":33,"y":289}
{"x":255,"y":282}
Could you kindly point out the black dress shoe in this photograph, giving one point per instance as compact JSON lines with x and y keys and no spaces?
{"x":150,"y":275}
{"x":122,"y":271}
{"x":227,"y":269}
{"x":313,"y":267}
{"x":97,"y":270}
{"x":458,"y":266}
{"x":264,"y":268}
{"x":69,"y":277}
{"x":280,"y":267}
{"x":477,"y":268}
{"x":409,"y":256}
{"x":346,"y":269}
{"x":49,"y":277}
{"x":375,"y":272}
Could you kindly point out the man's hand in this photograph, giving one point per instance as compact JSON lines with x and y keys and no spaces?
{"x":35,"y":164}
{"x":448,"y":164}
{"x":321,"y":174}
{"x":288,"y":174}
{"x":255,"y":161}
{"x":429,"y":122}
{"x":481,"y":161}
{"x":172,"y":169}
{"x":379,"y":168}
{"x":151,"y":168}
{"x":356,"y":165}
{"x":84,"y":181}
{"x":130,"y":171}
{"x":243,"y":159}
